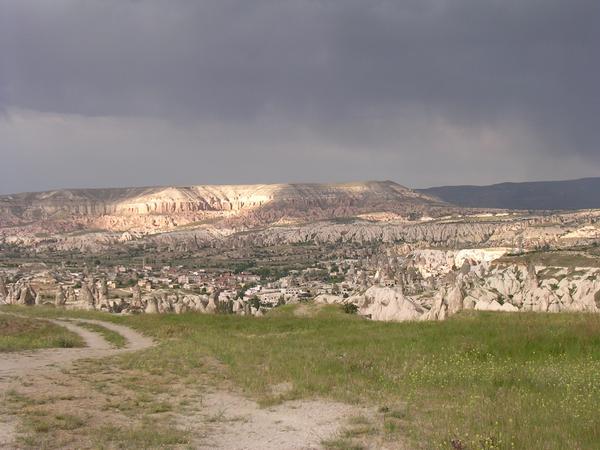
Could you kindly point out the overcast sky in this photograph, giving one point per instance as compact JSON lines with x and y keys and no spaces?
{"x":422,"y":92}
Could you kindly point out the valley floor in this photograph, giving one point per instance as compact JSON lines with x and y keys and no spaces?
{"x":310,"y":376}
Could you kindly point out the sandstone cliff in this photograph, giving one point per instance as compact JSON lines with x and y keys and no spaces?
{"x":163,"y":208}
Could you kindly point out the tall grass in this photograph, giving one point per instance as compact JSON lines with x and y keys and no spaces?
{"x":478,"y":380}
{"x":19,"y":333}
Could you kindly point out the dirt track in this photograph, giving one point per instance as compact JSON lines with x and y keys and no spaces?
{"x":30,"y":364}
{"x":218,"y":419}
{"x":20,"y":363}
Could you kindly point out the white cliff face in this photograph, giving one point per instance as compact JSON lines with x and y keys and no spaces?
{"x":479,"y":255}
{"x":174,"y":200}
{"x":127,"y":207}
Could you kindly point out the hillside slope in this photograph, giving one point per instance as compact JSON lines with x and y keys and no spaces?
{"x":568,"y":195}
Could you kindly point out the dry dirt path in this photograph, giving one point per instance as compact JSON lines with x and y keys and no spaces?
{"x":230,"y":421}
{"x":220,"y":419}
{"x":21,"y":363}
{"x":33,"y":363}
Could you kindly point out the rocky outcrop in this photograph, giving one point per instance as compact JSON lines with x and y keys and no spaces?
{"x":136,"y":297}
{"x":3,"y":290}
{"x":151,"y":306}
{"x":515,"y":288}
{"x":386,"y":304}
{"x":470,"y":237}
{"x":479,"y":284}
{"x":328,"y":299}
{"x":101,"y":300}
{"x":490,"y":238}
{"x":71,"y":296}
{"x":85,"y":299}
{"x":20,"y":293}
{"x":211,"y":306}
{"x":60,"y":299}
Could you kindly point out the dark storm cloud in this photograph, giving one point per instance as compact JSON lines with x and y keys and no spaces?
{"x":358,"y":75}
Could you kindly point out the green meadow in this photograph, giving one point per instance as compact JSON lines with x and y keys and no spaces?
{"x":475,"y":381}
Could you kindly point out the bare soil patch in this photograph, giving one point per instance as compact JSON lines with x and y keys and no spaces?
{"x":226,"y":420}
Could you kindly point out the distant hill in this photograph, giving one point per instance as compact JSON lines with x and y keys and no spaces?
{"x":571,"y":194}
{"x":160,"y":208}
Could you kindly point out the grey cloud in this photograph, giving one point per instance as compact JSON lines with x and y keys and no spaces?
{"x":46,"y":150}
{"x":359,"y":75}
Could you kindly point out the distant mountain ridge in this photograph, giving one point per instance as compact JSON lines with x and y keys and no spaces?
{"x":583,"y":193}
{"x":168,"y":206}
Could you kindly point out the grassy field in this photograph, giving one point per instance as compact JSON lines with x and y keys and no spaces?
{"x":476,"y":381}
{"x":18,"y":333}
